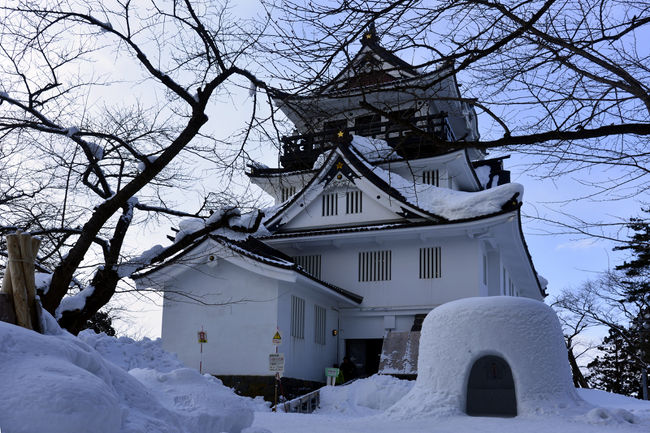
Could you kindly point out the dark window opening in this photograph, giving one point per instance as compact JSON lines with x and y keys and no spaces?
{"x":334,"y":126}
{"x":368,"y":125}
{"x":402,"y":120}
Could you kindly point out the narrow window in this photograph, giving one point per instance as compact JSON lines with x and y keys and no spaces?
{"x":375,"y":265}
{"x":330,"y":204}
{"x":431,"y":177}
{"x":504,"y":282}
{"x":485,"y":269}
{"x":311,"y":264}
{"x":297,"y":317}
{"x":430,"y":263}
{"x":288,"y":192}
{"x":319,"y":324}
{"x":353,"y":202}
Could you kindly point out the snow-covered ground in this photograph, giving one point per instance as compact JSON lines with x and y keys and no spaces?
{"x":97,"y":384}
{"x":361,"y":408}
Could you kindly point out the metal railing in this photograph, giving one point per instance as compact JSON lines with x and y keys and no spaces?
{"x":303,"y":404}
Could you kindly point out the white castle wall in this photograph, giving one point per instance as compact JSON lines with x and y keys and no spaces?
{"x":239,"y":333}
{"x":461,"y":269}
{"x":304,"y":358}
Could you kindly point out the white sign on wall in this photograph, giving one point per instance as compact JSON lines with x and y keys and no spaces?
{"x":276,"y":362}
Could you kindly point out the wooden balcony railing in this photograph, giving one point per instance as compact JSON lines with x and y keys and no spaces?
{"x":410,"y":139}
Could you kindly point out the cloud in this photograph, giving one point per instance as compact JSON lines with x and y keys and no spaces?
{"x":581,"y":244}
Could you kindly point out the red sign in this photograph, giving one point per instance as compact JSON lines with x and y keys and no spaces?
{"x":203,"y":337}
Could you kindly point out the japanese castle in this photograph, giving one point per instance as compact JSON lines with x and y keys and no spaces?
{"x":381,"y":214}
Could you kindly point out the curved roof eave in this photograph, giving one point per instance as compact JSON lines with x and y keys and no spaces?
{"x":174,"y":268}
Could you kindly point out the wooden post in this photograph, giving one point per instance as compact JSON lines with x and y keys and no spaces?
{"x":29,"y":248}
{"x":6,"y":282}
{"x":23,"y":316}
{"x":7,"y":312}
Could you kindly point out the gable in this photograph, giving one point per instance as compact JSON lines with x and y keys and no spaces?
{"x":342,"y":172}
{"x":342,"y":204}
{"x":372,"y":65}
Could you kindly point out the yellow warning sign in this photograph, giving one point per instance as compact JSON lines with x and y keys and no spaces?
{"x":277,"y":338}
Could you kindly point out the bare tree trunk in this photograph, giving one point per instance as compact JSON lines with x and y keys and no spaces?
{"x":579,"y":380}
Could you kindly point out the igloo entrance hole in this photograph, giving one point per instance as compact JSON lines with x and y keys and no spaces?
{"x":491,"y":389}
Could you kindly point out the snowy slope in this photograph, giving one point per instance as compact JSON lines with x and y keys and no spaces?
{"x":59,"y":384}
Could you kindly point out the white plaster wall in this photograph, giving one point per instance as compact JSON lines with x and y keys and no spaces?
{"x":414,"y":172}
{"x":361,"y":326}
{"x":312,"y":216}
{"x":494,"y":273}
{"x":461,"y":271}
{"x":239,"y":333}
{"x":304,"y":358}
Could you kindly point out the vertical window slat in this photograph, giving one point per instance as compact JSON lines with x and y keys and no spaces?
{"x":430,"y":263}
{"x":431,"y":177}
{"x":353,"y":202}
{"x":297,"y":317}
{"x":311,"y":264}
{"x":320,"y":317}
{"x":330,"y":204}
{"x":375,"y":265}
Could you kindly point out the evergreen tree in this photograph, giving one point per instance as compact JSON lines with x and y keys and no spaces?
{"x":626,"y":350}
{"x":638,"y":268}
{"x":101,"y":322}
{"x":611,"y":371}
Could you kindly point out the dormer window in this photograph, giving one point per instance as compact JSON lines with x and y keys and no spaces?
{"x":402,"y":120}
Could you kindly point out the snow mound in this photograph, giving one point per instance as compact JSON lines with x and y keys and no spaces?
{"x":322,"y":158}
{"x":524,"y":333}
{"x":59,"y":384}
{"x":604,"y":416}
{"x":201,"y":402}
{"x":364,"y":396}
{"x":128,"y":354}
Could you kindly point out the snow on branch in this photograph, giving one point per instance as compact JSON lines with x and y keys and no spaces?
{"x":74,"y":302}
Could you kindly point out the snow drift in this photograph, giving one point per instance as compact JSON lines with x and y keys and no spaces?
{"x":59,"y":384}
{"x":363,"y":397}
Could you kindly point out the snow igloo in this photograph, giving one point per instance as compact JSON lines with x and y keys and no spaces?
{"x":491,"y":356}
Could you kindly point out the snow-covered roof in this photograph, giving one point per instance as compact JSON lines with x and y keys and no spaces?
{"x":405,"y":198}
{"x":371,"y":52}
{"x":200,"y":251}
